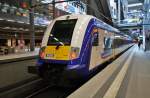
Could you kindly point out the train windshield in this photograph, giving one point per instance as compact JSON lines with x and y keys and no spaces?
{"x":61,"y":32}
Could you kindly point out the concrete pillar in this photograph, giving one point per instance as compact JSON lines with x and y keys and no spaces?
{"x":89,"y":10}
{"x":144,"y":45}
{"x":119,"y":4}
{"x":146,"y":26}
{"x":32,"y":32}
{"x":9,"y":43}
{"x":54,"y":9}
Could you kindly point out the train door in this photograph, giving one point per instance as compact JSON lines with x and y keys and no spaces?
{"x":112,"y":45}
{"x":107,"y":51}
{"x":95,"y":48}
{"x":102,"y":45}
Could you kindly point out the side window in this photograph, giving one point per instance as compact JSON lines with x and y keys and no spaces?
{"x":117,"y":43}
{"x":107,"y":43}
{"x":95,"y":37}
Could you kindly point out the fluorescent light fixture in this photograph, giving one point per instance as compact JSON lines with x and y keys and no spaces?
{"x":20,"y":21}
{"x":21,"y":29}
{"x":10,"y":20}
{"x":26,"y":29}
{"x":117,"y":36}
{"x":46,"y":1}
{"x":134,"y":5}
{"x":14,"y":28}
{"x":6,"y":28}
{"x":1,"y":19}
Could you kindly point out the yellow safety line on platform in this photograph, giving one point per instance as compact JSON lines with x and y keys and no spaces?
{"x":114,"y":88}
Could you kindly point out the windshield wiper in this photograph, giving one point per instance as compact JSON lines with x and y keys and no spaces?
{"x":59,"y":42}
{"x":57,"y":47}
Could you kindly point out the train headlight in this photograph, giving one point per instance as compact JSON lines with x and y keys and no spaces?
{"x":42,"y":52}
{"x":74,"y":53}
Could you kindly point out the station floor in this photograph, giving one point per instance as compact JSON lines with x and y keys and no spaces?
{"x":136,"y":83}
{"x":19,"y":55}
{"x":132,"y":80}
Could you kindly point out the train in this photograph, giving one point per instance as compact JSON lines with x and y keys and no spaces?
{"x":73,"y":46}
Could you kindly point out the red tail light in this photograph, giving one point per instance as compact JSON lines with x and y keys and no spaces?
{"x":74,"y":53}
{"x":42,"y":52}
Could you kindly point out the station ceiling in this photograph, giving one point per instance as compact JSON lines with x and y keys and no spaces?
{"x":135,"y":1}
{"x":137,"y":7}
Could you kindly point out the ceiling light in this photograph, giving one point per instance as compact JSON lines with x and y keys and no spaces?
{"x":134,"y":5}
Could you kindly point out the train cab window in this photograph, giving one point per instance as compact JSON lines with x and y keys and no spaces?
{"x":62,"y":32}
{"x":95,"y":37}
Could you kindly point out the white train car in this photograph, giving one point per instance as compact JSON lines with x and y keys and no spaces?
{"x":74,"y":46}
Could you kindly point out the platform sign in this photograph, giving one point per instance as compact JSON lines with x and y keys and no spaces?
{"x":71,"y":7}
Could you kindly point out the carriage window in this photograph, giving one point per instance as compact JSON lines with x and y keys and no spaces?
{"x":117,"y":43}
{"x":95,"y":39}
{"x":62,"y":32}
{"x":107,"y":43}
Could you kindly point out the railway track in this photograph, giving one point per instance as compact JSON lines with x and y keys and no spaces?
{"x":23,"y":90}
{"x":52,"y":92}
{"x":38,"y":92}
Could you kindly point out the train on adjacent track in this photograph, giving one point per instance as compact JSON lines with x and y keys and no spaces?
{"x":74,"y":46}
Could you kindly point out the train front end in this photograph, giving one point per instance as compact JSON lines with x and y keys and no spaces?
{"x":58,"y":57}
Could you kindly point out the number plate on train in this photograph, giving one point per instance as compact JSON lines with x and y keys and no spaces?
{"x":49,"y":55}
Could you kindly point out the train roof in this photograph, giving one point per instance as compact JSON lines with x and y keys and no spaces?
{"x":99,"y":22}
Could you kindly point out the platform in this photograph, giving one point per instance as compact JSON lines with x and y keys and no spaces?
{"x":137,"y":80}
{"x":13,"y":68}
{"x":131,"y":81}
{"x":19,"y":55}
